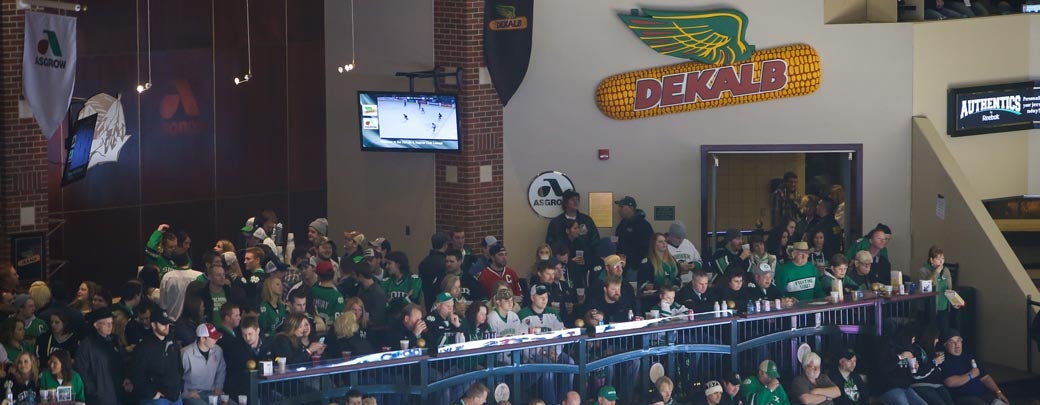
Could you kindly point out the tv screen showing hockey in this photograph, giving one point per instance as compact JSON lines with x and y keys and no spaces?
{"x":408,"y":121}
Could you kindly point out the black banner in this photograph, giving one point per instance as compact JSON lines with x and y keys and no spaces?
{"x":507,"y":43}
{"x":28,"y":254}
{"x":996,"y":108}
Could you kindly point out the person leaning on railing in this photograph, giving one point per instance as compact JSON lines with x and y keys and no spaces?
{"x":289,"y":343}
{"x":937,"y":272}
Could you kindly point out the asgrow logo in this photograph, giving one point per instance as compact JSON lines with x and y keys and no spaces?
{"x":51,"y":45}
{"x":180,"y":111}
{"x":545,"y":194}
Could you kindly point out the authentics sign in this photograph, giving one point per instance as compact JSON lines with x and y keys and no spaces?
{"x":723,"y":69}
{"x":994,"y":108}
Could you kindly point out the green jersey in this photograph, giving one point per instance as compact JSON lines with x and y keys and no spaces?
{"x":407,"y":290}
{"x":328,"y":301}
{"x":799,"y":281}
{"x":271,"y":318}
{"x":757,"y":394}
{"x":548,"y":320}
{"x":153,"y":256}
{"x":219,"y":299}
{"x":48,"y":382}
{"x":33,"y":330}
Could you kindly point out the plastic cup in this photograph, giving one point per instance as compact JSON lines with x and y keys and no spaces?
{"x":654,"y":314}
{"x":556,"y":305}
{"x":45,"y":395}
{"x":534,"y":330}
{"x":225,"y":399}
{"x":581,"y":292}
{"x":404,"y":344}
{"x":243,"y":400}
{"x":579,"y":253}
{"x":214,"y":400}
{"x":835,"y":296}
{"x":266,"y":368}
{"x":315,"y":359}
{"x":346,"y":355}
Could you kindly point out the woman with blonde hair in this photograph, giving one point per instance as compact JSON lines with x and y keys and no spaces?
{"x":503,"y":320}
{"x":224,"y":246}
{"x":544,"y":252}
{"x":357,"y":306}
{"x":660,"y":267}
{"x":348,"y":338}
{"x":24,"y":378}
{"x":453,"y":285}
{"x":40,"y":294}
{"x":272,"y":308}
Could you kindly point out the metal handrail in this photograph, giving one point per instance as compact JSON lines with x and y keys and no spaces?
{"x":658,"y":340}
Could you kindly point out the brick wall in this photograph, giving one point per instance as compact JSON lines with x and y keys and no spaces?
{"x":469,"y":204}
{"x":23,"y":150}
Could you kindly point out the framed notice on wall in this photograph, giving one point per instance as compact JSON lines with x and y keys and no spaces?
{"x":29,"y":255}
{"x":995,"y":108}
{"x":601,"y":209}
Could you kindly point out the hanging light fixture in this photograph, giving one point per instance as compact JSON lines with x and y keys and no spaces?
{"x":249,"y":53}
{"x":142,"y":87}
{"x":353,"y":55}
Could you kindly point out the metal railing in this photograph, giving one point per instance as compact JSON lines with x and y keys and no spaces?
{"x":549,"y":365}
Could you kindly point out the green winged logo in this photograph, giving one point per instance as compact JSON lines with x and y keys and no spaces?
{"x":506,"y":11}
{"x":712,"y":37}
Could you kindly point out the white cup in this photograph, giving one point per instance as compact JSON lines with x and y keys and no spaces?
{"x":45,"y":394}
{"x":266,"y":368}
{"x":654,"y":314}
{"x":835,"y":296}
{"x":225,"y":399}
{"x":579,"y":253}
{"x":581,"y":291}
{"x":214,"y":400}
{"x":746,"y":246}
{"x":404,"y":344}
{"x":243,"y":400}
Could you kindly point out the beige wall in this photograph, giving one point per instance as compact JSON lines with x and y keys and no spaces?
{"x":963,"y":53}
{"x":743,"y":187}
{"x":552,"y":121}
{"x":971,"y":238}
{"x":379,"y":193}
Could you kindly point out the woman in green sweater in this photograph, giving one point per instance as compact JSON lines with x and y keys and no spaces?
{"x":59,"y":373}
{"x":936,"y":271}
{"x":272,"y":309}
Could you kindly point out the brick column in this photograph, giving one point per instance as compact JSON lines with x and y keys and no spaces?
{"x":468,"y":203}
{"x":23,"y":150}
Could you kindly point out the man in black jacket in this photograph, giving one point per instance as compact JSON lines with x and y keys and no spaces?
{"x":100,"y":362}
{"x":633,"y":232}
{"x":431,"y":268}
{"x":157,"y":363}
{"x":589,"y":232}
{"x":245,"y":346}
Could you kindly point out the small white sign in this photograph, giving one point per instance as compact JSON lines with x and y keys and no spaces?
{"x":545,"y":194}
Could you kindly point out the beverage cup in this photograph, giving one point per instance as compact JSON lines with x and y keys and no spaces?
{"x":654,"y":314}
{"x":908,"y":287}
{"x":243,"y":400}
{"x":579,"y":253}
{"x":404,"y":344}
{"x":746,"y":246}
{"x":556,"y":305}
{"x":45,"y":395}
{"x":214,"y":400}
{"x":53,"y":393}
{"x":315,"y":359}
{"x":581,"y":292}
{"x":225,"y":399}
{"x":835,"y":296}
{"x":266,"y":368}
{"x":346,"y":355}
{"x":534,"y":330}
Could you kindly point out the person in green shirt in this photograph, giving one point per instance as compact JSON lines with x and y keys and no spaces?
{"x":12,"y":337}
{"x":401,"y":286}
{"x":936,"y":271}
{"x":328,"y":301}
{"x":59,"y":373}
{"x":764,"y":388}
{"x":660,"y":267}
{"x":798,"y":278}
{"x":838,"y":270}
{"x":272,"y":309}
{"x":162,"y":245}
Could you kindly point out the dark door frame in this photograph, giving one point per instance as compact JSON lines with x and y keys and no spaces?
{"x":855,"y":200}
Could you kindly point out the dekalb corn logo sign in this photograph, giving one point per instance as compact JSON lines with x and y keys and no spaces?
{"x":723,"y":69}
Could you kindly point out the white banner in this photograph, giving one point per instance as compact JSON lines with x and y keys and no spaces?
{"x":49,"y":67}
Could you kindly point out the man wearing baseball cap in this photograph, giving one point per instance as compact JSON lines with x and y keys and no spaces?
{"x":157,"y":369}
{"x":761,"y":286}
{"x":607,"y":395}
{"x":798,"y":277}
{"x":442,"y":323}
{"x":764,"y":387}
{"x":498,"y":270}
{"x":204,"y":367}
{"x":853,"y":388}
{"x":543,"y":318}
{"x":633,"y":232}
{"x":731,"y":390}
{"x":968,"y":383}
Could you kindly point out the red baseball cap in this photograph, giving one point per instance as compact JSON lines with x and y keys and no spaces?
{"x":208,"y":330}
{"x":324,"y":267}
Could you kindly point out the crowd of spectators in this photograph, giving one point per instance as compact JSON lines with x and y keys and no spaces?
{"x":185,"y":330}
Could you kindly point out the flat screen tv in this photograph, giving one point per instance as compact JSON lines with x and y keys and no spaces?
{"x":408,"y":121}
{"x":77,"y":147}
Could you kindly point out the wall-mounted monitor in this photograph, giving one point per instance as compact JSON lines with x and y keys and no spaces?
{"x":77,"y":147}
{"x":408,"y":121}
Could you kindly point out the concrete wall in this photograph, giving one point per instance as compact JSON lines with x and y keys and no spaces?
{"x":379,"y":193}
{"x":955,"y":54}
{"x":971,"y":238}
{"x":552,"y":121}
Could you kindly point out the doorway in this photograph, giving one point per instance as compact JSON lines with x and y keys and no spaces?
{"x":756,"y":188}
